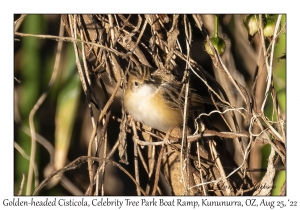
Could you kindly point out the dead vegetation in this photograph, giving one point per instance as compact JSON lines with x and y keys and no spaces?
{"x":214,"y":153}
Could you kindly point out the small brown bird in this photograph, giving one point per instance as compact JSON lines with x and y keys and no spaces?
{"x":157,"y":103}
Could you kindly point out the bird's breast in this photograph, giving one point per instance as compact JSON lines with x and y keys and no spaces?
{"x":150,"y":108}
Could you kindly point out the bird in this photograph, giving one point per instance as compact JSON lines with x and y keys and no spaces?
{"x":157,"y":103}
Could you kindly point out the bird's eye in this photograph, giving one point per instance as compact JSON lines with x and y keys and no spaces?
{"x":136,"y":83}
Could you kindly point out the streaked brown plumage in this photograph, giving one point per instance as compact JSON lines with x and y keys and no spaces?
{"x":156,"y":103}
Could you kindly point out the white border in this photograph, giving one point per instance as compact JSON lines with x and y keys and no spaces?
{"x":237,"y":6}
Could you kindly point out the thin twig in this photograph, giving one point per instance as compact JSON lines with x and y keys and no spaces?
{"x":27,"y":157}
{"x":69,"y":39}
{"x":200,"y":170}
{"x":22,"y":185}
{"x":157,"y":171}
{"x":111,"y":27}
{"x":188,"y":34}
{"x":18,"y":22}
{"x":103,"y":112}
{"x":135,"y":156}
{"x":37,"y":106}
{"x":221,"y":170}
{"x":140,"y":36}
{"x":269,"y":64}
{"x":76,"y":163}
{"x":43,"y":141}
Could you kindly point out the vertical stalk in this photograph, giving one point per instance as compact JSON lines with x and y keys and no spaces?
{"x":216,"y":31}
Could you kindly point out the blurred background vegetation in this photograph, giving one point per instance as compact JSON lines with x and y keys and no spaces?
{"x":64,"y":114}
